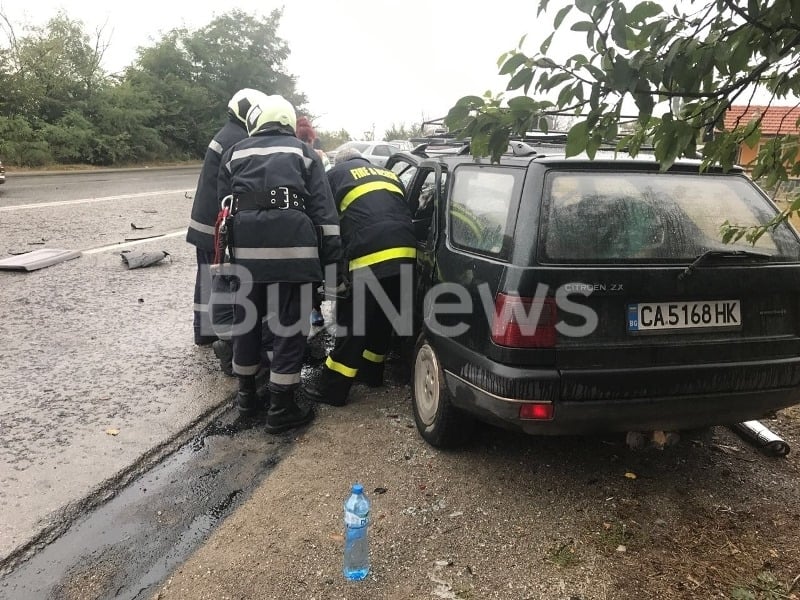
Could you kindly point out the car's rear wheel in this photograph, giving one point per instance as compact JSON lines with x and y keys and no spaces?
{"x":439,"y":422}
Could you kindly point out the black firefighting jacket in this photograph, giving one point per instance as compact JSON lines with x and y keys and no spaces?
{"x":283,"y":243}
{"x":376,"y":221}
{"x":205,"y":207}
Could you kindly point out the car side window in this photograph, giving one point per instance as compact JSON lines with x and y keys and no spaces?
{"x":480,"y":212}
{"x":382,"y":150}
{"x":405,"y":171}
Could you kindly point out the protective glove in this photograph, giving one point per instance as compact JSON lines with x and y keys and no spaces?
{"x":341,"y":288}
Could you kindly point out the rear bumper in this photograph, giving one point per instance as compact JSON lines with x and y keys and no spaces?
{"x":494,"y":392}
{"x":644,"y":414}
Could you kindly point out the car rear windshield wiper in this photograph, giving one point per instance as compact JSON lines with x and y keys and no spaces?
{"x":724,"y":254}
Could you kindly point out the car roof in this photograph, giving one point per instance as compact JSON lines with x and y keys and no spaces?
{"x":553,"y":156}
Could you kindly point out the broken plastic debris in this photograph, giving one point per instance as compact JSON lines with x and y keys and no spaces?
{"x":37,"y":259}
{"x":135,"y":259}
{"x":622,"y":548}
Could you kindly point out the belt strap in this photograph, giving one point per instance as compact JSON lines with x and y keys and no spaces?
{"x":281,"y":198}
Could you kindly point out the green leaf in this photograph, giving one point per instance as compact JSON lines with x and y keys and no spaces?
{"x":498,"y":142}
{"x":582,"y":26}
{"x":556,"y":80}
{"x":644,"y":11}
{"x":565,"y":96}
{"x":523,"y":103}
{"x":523,"y":78}
{"x":753,"y":137}
{"x":592,"y":145}
{"x":513,"y":63}
{"x":585,"y":6}
{"x":596,"y":72}
{"x":544,"y":124}
{"x":471,"y":102}
{"x":546,"y":44}
{"x":542,"y":7}
{"x":645,"y":103}
{"x":577,"y":138}
{"x":561,"y":15}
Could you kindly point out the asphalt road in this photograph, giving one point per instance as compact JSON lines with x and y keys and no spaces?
{"x":99,"y":368}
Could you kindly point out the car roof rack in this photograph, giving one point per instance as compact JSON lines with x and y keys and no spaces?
{"x":445,"y":142}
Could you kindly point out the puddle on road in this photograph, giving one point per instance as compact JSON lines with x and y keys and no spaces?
{"x":128,"y":546}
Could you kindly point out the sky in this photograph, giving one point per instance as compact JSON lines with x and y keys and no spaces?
{"x":362,"y":64}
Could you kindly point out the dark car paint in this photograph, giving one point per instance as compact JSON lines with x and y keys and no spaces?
{"x":612,"y":381}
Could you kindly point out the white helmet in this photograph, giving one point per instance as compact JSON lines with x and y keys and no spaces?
{"x":242,"y":101}
{"x":270,"y":109}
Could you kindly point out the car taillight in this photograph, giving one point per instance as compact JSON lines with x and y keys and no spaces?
{"x":536,"y":411}
{"x":514,"y":325}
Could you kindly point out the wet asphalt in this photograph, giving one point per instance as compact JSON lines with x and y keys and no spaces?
{"x":131,"y":543}
{"x":120,"y":449}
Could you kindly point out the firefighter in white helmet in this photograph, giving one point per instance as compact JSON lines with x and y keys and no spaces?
{"x":205,"y":208}
{"x":284,"y":229}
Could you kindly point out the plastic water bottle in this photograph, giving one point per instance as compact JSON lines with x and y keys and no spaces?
{"x":356,"y":542}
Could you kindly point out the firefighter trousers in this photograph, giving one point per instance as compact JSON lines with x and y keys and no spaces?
{"x":361,"y":353}
{"x":279,"y":308}
{"x":212,"y":319}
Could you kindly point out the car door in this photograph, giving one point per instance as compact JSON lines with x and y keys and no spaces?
{"x":424,"y":193}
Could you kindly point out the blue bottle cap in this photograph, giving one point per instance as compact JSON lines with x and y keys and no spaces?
{"x":357,"y":488}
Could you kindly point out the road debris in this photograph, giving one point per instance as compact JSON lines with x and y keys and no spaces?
{"x":135,"y":259}
{"x":37,"y":259}
{"x":762,"y":437}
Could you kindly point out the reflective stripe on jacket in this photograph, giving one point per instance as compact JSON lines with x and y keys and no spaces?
{"x":281,"y":245}
{"x":377,"y":231}
{"x":205,"y":207}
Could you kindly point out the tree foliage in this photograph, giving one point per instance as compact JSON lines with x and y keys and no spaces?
{"x":401,"y":132}
{"x":58,"y":105}
{"x":333,"y":139}
{"x":681,"y":70}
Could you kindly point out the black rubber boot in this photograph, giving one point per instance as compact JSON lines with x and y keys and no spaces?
{"x":223,"y":350}
{"x":284,"y":413}
{"x":331,"y":389}
{"x":371,"y":375}
{"x":247,"y":400}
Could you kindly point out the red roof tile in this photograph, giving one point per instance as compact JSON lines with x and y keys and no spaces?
{"x":776,"y":119}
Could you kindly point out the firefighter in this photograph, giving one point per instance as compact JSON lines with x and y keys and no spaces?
{"x":282,"y":230}
{"x":378,"y":239}
{"x":206,"y":207}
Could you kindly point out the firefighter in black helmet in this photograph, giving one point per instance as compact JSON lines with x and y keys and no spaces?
{"x":378,"y":240}
{"x":205,"y":208}
{"x":284,"y":228}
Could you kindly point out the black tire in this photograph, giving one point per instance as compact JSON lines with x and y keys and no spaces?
{"x":440,"y":423}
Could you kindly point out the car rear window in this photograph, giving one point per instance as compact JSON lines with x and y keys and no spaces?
{"x":602,"y":217}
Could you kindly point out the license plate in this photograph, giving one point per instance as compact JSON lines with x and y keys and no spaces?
{"x":646,"y":317}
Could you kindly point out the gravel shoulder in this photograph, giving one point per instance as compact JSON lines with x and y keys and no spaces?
{"x":509,"y":517}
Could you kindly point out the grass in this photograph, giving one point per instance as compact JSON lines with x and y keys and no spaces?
{"x":564,"y":555}
{"x":765,"y":586}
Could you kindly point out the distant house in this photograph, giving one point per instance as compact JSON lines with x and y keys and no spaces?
{"x":775,"y":120}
